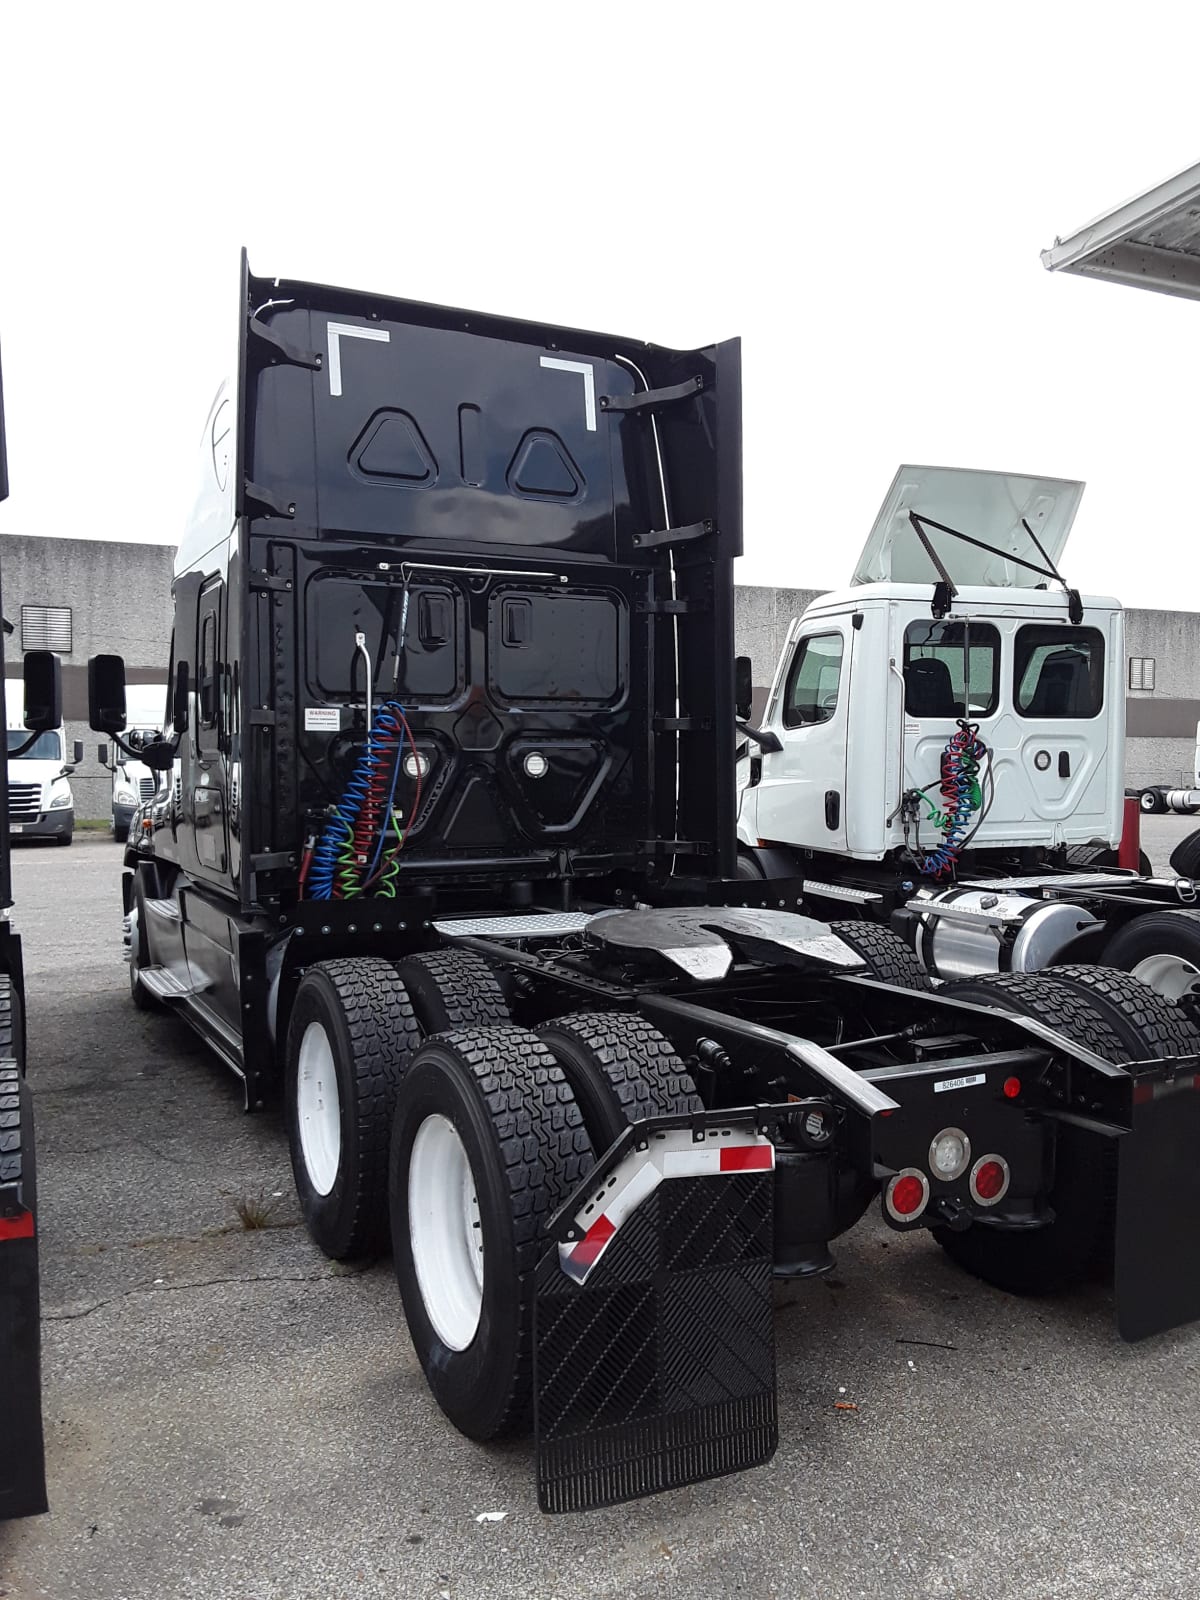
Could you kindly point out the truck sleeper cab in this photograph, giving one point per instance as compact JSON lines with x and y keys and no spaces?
{"x":444,"y":854}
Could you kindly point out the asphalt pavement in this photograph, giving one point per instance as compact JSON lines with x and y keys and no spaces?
{"x":229,"y":1414}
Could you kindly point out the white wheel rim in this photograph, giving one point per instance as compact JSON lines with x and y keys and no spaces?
{"x":318,"y":1109}
{"x":1148,"y":802}
{"x":1170,"y":976}
{"x":445,"y":1233}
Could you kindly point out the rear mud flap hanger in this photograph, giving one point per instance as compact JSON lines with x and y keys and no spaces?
{"x":654,"y":1355}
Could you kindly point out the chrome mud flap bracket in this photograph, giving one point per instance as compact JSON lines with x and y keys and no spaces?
{"x":654,"y":1359}
{"x":1157,"y":1256}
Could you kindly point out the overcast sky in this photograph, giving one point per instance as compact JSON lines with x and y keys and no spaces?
{"x":861,"y":192}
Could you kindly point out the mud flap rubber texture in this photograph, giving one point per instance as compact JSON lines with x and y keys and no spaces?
{"x":1157,"y":1265}
{"x":659,"y":1369}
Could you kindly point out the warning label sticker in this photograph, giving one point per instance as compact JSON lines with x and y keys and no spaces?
{"x":322,"y":719}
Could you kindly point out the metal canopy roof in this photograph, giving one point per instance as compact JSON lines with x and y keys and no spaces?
{"x":1150,"y":242}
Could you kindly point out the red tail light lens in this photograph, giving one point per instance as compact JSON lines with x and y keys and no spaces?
{"x":907,"y":1195}
{"x":1012,"y":1088}
{"x":989,"y":1180}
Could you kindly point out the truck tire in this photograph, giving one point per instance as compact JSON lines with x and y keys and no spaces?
{"x":1152,"y":801}
{"x":1185,"y":858}
{"x":65,"y":838}
{"x":120,"y":834}
{"x":748,"y":869}
{"x":351,"y":1035}
{"x":12,"y":1027}
{"x":1084,"y":856}
{"x":1078,"y":1245}
{"x":487,"y":1144}
{"x":453,"y":989}
{"x":1151,"y":1026}
{"x":887,"y":956}
{"x":22,"y":1459}
{"x":1162,"y":948}
{"x":621,"y":1069}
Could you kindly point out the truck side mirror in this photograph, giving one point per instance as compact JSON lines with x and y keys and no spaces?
{"x":179,"y":705}
{"x":743,"y":687}
{"x":42,"y":674}
{"x":102,"y":754}
{"x":106,"y":693}
{"x":77,"y":751}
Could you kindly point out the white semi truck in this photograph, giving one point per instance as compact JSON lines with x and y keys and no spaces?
{"x":40,"y":802}
{"x":132,"y":781}
{"x":943,"y":745}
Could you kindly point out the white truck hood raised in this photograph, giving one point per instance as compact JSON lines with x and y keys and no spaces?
{"x":983,"y":505}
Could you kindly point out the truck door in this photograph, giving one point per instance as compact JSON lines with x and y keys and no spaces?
{"x":209,"y":781}
{"x":802,"y":795}
{"x":1058,"y":766}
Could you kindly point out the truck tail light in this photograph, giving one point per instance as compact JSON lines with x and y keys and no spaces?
{"x":949,"y":1154}
{"x":906,"y":1195}
{"x":989,"y":1180}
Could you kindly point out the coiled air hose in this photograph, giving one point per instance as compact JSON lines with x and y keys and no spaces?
{"x":347,"y":854}
{"x":962,"y":797}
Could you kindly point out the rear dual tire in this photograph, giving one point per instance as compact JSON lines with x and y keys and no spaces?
{"x":1120,"y":1019}
{"x":350,"y":1037}
{"x":354,"y":1027}
{"x":1162,"y":948}
{"x":488,"y":1142}
{"x":495,"y":1128}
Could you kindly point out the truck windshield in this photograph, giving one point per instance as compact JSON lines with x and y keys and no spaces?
{"x":46,"y":747}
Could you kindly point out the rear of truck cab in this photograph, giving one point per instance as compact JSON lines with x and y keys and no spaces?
{"x":887,"y":689}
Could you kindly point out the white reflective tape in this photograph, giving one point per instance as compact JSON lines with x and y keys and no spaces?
{"x":588,"y":373}
{"x":346,"y":330}
{"x":675,"y":1154}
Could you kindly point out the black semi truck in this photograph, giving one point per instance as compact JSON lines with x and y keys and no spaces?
{"x":22,"y":1453}
{"x":444,"y":854}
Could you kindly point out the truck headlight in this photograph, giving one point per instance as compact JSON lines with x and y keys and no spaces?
{"x":61,"y":800}
{"x":125,"y":797}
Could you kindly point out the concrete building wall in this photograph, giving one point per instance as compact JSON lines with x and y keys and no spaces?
{"x":119,"y":597}
{"x":1161,"y":722}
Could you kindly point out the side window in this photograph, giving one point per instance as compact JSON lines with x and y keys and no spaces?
{"x":951,"y":670}
{"x":814,"y":681}
{"x":1059,"y":672}
{"x":208,"y":670}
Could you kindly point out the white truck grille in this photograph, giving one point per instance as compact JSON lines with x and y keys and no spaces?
{"x":146,"y":787}
{"x":24,"y":802}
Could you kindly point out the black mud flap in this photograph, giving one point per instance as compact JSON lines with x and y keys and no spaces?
{"x":22,"y":1458}
{"x":1157,"y":1266}
{"x":654,"y":1348}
